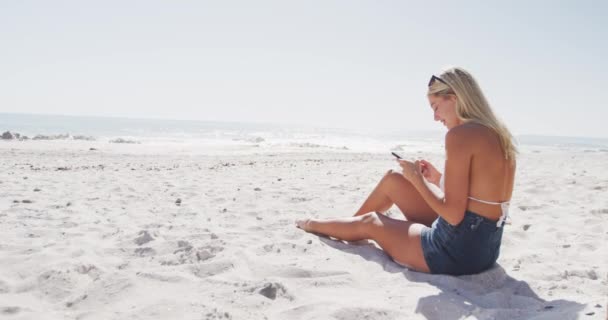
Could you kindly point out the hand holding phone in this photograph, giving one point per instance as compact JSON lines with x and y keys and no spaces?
{"x":430,"y":173}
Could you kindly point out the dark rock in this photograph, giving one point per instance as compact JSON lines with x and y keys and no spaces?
{"x":269,"y":291}
{"x":8,"y":136}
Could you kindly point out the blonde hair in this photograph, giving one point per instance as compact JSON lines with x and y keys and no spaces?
{"x":471,"y":105}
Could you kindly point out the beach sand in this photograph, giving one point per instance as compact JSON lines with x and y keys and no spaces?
{"x":125,"y":232}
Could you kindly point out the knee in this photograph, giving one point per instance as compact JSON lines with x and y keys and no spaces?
{"x":368,"y":223}
{"x":392,"y":176}
{"x":389,"y":172}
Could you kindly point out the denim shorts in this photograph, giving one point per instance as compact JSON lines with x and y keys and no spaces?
{"x":470,"y":247}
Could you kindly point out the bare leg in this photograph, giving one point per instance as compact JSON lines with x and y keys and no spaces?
{"x":399,"y":239}
{"x":378,"y":200}
{"x":348,"y":229}
{"x":395,"y":189}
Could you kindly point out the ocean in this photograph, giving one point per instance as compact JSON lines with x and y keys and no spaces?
{"x":258,"y":136}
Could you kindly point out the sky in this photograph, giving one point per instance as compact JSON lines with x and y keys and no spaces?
{"x":344,"y":64}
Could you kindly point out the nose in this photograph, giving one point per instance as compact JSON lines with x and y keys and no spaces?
{"x":435,"y":116}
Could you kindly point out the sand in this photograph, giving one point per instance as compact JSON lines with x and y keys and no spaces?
{"x":129,"y":232}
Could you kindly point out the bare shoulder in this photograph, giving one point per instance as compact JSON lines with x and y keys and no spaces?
{"x":466,"y":133}
{"x":469,"y":130}
{"x":469,"y":133}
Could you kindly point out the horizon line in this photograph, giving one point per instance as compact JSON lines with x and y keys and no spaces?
{"x":270,"y":123}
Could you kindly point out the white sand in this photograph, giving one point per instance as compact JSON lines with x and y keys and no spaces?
{"x":103,"y":238}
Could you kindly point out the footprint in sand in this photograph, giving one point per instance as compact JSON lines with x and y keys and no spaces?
{"x":3,"y":287}
{"x":56,"y":284}
{"x":80,"y":298}
{"x":529,"y":207}
{"x":187,"y":254}
{"x":599,"y":211}
{"x":206,"y":254}
{"x":160,"y":277}
{"x":88,"y":269}
{"x":183,"y":246}
{"x":211,"y":269}
{"x":299,"y":199}
{"x":10,"y":310}
{"x":144,"y":252}
{"x":294,"y":272}
{"x":217,"y":314}
{"x":365,"y":313}
{"x":272,"y":290}
{"x":144,"y":237}
{"x":588,"y":274}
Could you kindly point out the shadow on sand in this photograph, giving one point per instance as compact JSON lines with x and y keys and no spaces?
{"x":492,"y":294}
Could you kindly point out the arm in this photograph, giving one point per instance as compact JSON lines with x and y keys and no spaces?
{"x":458,"y":163}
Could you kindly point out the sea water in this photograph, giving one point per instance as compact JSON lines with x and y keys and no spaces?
{"x":202,"y":135}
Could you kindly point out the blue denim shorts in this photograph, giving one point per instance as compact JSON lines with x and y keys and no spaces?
{"x":470,"y":247}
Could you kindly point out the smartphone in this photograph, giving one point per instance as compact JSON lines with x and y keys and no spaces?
{"x":396,"y":155}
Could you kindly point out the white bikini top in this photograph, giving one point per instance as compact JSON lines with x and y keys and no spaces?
{"x":504,"y":206}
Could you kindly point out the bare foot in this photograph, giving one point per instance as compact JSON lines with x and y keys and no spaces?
{"x":303,"y":224}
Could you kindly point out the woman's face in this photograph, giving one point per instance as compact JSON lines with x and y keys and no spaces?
{"x":444,"y":110}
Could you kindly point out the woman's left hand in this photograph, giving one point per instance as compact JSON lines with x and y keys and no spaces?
{"x":412,"y":171}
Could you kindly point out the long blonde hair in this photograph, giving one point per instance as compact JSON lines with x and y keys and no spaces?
{"x":471,"y":105}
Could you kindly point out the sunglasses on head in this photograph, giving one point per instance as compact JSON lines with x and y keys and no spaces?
{"x":436,"y":78}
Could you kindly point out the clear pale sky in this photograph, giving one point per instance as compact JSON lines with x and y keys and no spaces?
{"x":542,"y":64}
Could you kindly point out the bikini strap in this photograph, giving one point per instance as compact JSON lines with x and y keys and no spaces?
{"x":488,"y":202}
{"x":504,"y":206}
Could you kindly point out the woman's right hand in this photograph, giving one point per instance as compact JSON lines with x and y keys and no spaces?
{"x":430,"y":173}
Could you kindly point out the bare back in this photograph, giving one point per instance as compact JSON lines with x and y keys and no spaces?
{"x":491,"y":176}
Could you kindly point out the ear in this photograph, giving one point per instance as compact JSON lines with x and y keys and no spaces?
{"x":450,"y":97}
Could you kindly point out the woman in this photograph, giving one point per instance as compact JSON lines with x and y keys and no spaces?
{"x":459,"y":232}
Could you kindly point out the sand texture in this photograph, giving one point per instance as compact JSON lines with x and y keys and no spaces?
{"x":115,"y":233}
